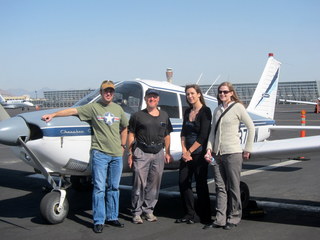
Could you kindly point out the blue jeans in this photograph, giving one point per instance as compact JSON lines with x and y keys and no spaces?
{"x":106,"y":174}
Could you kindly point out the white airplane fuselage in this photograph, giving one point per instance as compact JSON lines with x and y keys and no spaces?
{"x":63,"y":145}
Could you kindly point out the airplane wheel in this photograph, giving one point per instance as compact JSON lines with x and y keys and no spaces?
{"x":49,"y":208}
{"x":245,"y":194}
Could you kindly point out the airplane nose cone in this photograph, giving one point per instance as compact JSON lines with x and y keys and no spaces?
{"x":11,"y":129}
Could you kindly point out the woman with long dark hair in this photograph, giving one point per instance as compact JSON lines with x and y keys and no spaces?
{"x":194,"y":137}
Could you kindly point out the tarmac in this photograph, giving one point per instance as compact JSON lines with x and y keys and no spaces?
{"x":286,"y":192}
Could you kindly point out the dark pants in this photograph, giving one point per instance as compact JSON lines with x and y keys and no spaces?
{"x":199,"y":168}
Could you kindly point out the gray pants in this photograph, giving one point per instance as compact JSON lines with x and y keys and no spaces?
{"x":147,"y":174}
{"x":227,"y":180}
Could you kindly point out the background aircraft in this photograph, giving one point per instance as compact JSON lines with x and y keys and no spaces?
{"x":12,"y":104}
{"x":60,"y":148}
{"x":316,"y":103}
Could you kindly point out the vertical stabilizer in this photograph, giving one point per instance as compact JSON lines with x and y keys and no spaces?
{"x":3,"y":114}
{"x":2,"y":99}
{"x":263,"y":101}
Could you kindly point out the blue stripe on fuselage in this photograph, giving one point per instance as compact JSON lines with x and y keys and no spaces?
{"x":87,"y":130}
{"x":67,"y":131}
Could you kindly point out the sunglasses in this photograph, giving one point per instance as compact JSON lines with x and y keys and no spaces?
{"x":224,"y":92}
{"x":108,"y":90}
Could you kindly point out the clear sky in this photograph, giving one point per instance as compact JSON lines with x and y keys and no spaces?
{"x":75,"y":44}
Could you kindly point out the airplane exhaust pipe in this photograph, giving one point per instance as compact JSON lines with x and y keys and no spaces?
{"x":169,"y":74}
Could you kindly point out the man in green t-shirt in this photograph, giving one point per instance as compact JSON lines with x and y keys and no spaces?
{"x":109,"y":125}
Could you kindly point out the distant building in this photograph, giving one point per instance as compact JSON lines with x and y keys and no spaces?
{"x":301,"y":91}
{"x":67,"y":98}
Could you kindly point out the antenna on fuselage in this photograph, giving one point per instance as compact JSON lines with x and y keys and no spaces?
{"x":212,"y":84}
{"x":169,"y":74}
{"x":199,"y":79}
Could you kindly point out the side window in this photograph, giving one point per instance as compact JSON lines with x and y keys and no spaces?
{"x":184,"y":103}
{"x":169,"y":103}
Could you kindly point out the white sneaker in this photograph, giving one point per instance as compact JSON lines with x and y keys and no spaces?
{"x":137,"y":219}
{"x":150,"y":217}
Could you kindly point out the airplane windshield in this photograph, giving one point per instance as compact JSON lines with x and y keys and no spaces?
{"x":87,"y":99}
{"x":128,"y":95}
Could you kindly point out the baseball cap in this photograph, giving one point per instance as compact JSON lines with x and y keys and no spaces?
{"x":152,"y":91}
{"x":107,"y":84}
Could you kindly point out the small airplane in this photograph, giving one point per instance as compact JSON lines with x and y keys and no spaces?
{"x":316,"y":103}
{"x":13,"y":104}
{"x":59,"y":149}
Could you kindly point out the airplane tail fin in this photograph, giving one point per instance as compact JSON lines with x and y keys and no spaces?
{"x":263,"y":101}
{"x":2,"y":99}
{"x":3,"y":113}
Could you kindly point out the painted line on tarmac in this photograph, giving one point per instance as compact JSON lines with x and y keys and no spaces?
{"x":273,"y":166}
{"x":289,"y":206}
{"x":10,"y":161}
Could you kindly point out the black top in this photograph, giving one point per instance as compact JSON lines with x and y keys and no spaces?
{"x":149,"y":129}
{"x":198,"y":130}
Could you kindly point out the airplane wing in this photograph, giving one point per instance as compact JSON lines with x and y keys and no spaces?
{"x":285,"y":148}
{"x":296,"y":128}
{"x":295,"y":101}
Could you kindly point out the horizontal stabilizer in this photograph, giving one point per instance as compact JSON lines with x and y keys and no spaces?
{"x":295,"y":101}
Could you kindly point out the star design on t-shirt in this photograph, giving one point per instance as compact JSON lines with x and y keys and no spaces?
{"x":109,"y":118}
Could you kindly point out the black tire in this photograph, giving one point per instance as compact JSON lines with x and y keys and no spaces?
{"x":81,"y":184}
{"x":49,"y":205}
{"x":245,"y":194}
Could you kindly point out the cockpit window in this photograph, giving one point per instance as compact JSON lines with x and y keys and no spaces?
{"x":128,"y":96}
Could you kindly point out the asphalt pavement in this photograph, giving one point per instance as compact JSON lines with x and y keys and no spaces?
{"x":286,"y":192}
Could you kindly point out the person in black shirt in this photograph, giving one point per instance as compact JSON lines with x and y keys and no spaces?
{"x":194,"y":137}
{"x":149,"y":132}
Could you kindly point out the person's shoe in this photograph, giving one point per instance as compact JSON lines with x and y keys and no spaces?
{"x":229,"y":226}
{"x":212,"y":225}
{"x":181,"y":220}
{"x":150,"y":217}
{"x":115,"y":223}
{"x":190,"y":221}
{"x":98,"y":228}
{"x":137,"y":219}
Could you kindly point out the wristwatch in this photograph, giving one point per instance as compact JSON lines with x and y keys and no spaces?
{"x":124,"y":146}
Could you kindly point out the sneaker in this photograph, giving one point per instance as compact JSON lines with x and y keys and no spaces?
{"x":137,"y":219}
{"x":150,"y":217}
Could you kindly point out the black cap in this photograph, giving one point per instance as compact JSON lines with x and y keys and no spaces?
{"x":152,"y":91}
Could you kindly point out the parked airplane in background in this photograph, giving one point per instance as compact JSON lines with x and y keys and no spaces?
{"x":13,"y":104}
{"x":61,"y":147}
{"x":316,"y":103}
